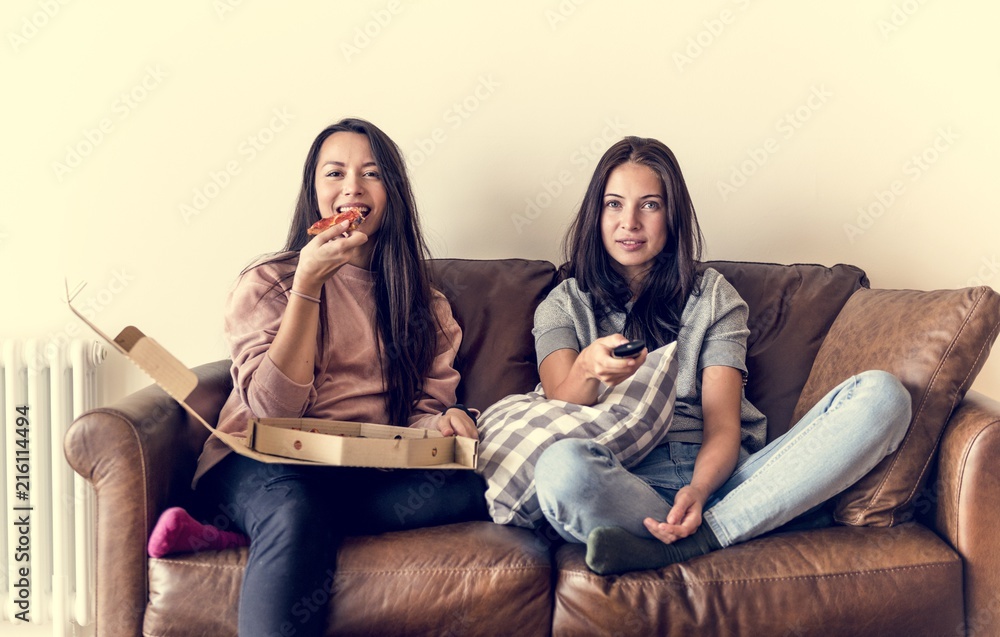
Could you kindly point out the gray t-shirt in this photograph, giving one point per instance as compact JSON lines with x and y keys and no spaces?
{"x":713,"y":332}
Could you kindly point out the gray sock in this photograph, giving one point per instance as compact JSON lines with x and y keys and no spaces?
{"x":612,"y":549}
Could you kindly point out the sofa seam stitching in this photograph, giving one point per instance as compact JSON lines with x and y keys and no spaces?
{"x":449,"y":570}
{"x":968,"y":450}
{"x":920,"y":410}
{"x":782,"y":579}
{"x":526,"y":567}
{"x":923,"y":403}
{"x":937,"y":443}
{"x":958,"y":488}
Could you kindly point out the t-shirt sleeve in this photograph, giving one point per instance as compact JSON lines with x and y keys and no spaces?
{"x":554,"y":328}
{"x":725,"y":340}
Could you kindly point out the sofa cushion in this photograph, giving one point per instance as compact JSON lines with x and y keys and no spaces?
{"x":935,"y":343}
{"x":494,"y":302}
{"x":444,"y":580}
{"x":630,"y":419}
{"x":834,"y":581}
{"x":791,"y":309}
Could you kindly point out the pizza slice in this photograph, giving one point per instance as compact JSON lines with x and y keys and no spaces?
{"x":347,"y":213}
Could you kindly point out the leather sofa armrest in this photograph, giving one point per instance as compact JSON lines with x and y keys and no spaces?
{"x":968,"y":489}
{"x":139,"y":454}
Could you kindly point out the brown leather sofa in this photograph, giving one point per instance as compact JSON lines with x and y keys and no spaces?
{"x":914,"y":551}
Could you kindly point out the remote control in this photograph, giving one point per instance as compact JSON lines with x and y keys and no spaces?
{"x":629,"y":350}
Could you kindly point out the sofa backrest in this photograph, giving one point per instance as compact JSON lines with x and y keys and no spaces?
{"x":791,"y":310}
{"x":494,"y":302}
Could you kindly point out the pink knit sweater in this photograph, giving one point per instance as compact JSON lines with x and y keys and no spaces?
{"x":347,"y":381}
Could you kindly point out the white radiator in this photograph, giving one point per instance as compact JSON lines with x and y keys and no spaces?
{"x":47,"y":516}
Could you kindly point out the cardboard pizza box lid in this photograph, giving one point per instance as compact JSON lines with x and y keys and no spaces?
{"x":297,"y":440}
{"x":352,"y":444}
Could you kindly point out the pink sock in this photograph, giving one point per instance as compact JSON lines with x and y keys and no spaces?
{"x":178,"y":532}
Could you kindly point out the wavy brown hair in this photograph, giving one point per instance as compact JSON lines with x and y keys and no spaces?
{"x":656,"y":314}
{"x":404,"y":318}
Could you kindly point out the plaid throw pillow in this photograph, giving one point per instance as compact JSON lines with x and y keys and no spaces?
{"x":630,"y":419}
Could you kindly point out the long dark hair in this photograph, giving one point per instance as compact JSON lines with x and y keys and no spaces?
{"x":405,"y":321}
{"x":656,"y":314}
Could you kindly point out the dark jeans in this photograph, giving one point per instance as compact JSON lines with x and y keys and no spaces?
{"x":295,"y":516}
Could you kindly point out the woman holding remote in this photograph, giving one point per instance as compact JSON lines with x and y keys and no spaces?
{"x":632,"y":253}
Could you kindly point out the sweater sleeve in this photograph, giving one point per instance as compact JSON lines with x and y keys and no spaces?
{"x":254,"y":311}
{"x":441,"y":384}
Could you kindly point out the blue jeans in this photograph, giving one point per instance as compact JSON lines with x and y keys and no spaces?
{"x":295,"y":516}
{"x":581,"y":485}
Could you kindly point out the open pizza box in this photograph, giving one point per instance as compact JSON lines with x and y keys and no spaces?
{"x":298,"y":440}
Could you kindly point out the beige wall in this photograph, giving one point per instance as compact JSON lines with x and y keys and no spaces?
{"x":153,"y":149}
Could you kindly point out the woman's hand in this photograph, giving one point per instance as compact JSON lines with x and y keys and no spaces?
{"x":326,"y":253}
{"x":576,"y":377}
{"x":293,"y":350}
{"x":683,"y":519}
{"x":597,"y":362}
{"x":455,"y":422}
